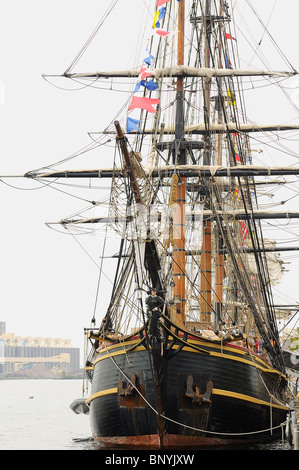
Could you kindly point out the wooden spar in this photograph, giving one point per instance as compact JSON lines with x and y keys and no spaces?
{"x":206,"y":273}
{"x":219,"y":273}
{"x":179,"y":256}
{"x":236,"y":215}
{"x":200,"y":171}
{"x":206,"y":257}
{"x":217,"y":128}
{"x":219,"y":257}
{"x":128,"y":164}
{"x":219,"y":150}
{"x":181,"y":33}
{"x":181,"y":71}
{"x":179,"y":213}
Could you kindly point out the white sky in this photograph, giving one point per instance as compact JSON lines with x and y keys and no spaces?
{"x":47,"y":283}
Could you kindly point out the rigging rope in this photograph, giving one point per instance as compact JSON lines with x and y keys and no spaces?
{"x":270,"y":35}
{"x":91,"y":37}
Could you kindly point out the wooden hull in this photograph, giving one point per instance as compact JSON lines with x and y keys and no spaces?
{"x":125,"y":400}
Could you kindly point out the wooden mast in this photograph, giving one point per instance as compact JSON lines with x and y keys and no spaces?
{"x":219,"y":257}
{"x":179,"y":158}
{"x":206,"y":256}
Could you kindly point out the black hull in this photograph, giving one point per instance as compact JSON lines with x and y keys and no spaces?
{"x":246,"y":401}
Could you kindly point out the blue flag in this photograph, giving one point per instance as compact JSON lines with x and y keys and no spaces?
{"x":132,"y":125}
{"x":138,"y":85}
{"x":151,"y":85}
{"x":148,"y":60}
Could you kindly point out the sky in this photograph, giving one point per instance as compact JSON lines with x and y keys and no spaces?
{"x":47,"y":282}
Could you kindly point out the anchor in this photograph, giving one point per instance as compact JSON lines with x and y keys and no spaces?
{"x":194,"y":391}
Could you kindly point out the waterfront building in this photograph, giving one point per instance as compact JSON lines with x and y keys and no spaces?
{"x":21,"y":353}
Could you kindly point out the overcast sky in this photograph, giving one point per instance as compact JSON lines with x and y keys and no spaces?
{"x":47,"y":283}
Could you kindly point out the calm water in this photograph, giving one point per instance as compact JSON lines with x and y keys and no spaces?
{"x":46,"y":422}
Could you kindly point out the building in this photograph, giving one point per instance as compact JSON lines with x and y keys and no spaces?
{"x":20,"y":354}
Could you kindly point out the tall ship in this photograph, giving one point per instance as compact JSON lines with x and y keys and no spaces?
{"x":187,"y":351}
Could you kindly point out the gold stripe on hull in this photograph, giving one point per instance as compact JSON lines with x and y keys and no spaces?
{"x":241,"y":396}
{"x":223,"y":353}
{"x":216,"y":391}
{"x":102,"y":393}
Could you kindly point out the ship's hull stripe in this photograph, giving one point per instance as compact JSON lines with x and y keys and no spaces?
{"x":102,"y":393}
{"x":212,"y":353}
{"x":226,"y":393}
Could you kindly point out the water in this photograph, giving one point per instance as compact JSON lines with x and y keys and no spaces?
{"x":46,"y":422}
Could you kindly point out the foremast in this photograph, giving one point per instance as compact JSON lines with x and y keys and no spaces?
{"x":179,"y":252}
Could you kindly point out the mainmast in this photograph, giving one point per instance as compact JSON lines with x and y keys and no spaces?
{"x":219,"y":256}
{"x":179,"y":156}
{"x":206,"y":258}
